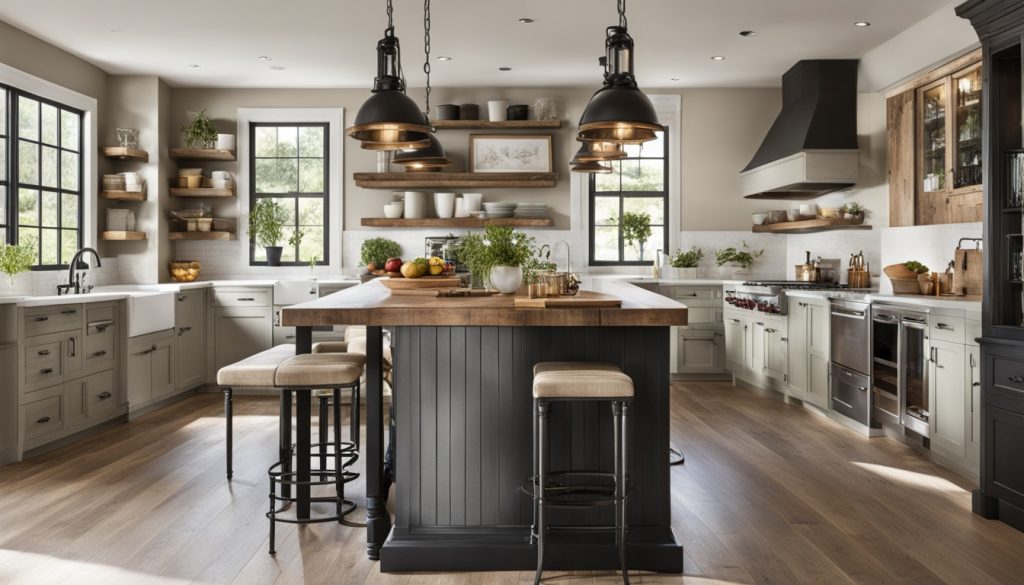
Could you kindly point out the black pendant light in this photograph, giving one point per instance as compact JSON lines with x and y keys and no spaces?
{"x":586,"y":161}
{"x":591,"y":167}
{"x":619,"y":112}
{"x":389,"y":119}
{"x":433,"y":157}
{"x":598,"y":152}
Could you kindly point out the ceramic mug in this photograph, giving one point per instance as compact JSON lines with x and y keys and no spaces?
{"x":444,"y":204}
{"x":415,"y":204}
{"x":460,"y":208}
{"x":497,"y":110}
{"x":473,"y":201}
{"x":220,"y":175}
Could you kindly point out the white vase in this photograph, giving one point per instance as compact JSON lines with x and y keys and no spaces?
{"x":497,"y":110}
{"x":226,"y":141}
{"x":687,"y":273}
{"x":444,"y":204}
{"x":507,"y":279}
{"x":415,"y":204}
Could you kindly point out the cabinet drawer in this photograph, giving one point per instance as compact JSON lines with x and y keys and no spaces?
{"x":101,"y":395}
{"x":42,"y":353}
{"x":1008,"y":373}
{"x":690,"y":292}
{"x":100,"y":345}
{"x":43,"y":364}
{"x":43,"y":320}
{"x":973,"y":331}
{"x":946,"y":328}
{"x":703,"y":315}
{"x":241,"y":298}
{"x":41,"y":418}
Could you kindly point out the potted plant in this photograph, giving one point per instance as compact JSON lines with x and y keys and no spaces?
{"x":685,"y":263}
{"x":266,"y":227}
{"x":853,"y":211}
{"x":499,"y":257}
{"x":737,"y":259}
{"x":15,"y":259}
{"x":375,"y":253}
{"x":636,"y":228}
{"x":200,"y":132}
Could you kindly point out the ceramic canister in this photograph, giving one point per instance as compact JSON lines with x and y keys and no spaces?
{"x":415,"y":204}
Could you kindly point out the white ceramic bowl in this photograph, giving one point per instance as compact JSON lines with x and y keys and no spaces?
{"x":759,"y":218}
{"x":393,"y":210}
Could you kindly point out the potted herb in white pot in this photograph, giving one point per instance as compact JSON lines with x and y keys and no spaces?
{"x":266,"y":228}
{"x":499,"y":257}
{"x":684,"y":264}
{"x":15,"y":259}
{"x":732,"y":261}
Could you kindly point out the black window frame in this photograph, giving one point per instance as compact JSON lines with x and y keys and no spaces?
{"x":622,"y":196}
{"x":326,"y":195}
{"x":13,"y":181}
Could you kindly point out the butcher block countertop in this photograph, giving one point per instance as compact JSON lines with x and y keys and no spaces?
{"x":375,"y":305}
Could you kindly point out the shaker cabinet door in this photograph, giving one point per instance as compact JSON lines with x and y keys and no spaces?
{"x":948,"y":404}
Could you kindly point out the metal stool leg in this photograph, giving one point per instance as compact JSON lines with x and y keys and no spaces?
{"x":229,"y":416}
{"x":339,"y":474}
{"x":273,"y":517}
{"x":534,"y":480}
{"x":285,"y":431}
{"x":543,"y":409}
{"x":323,"y":423}
{"x":354,"y":431}
{"x":619,"y":414}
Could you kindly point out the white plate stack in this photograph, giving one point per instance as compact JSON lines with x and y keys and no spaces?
{"x":499,"y":210}
{"x":532,"y":210}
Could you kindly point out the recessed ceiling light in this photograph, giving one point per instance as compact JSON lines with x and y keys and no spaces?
{"x":718,"y":58}
{"x":526,"y":20}
{"x":862,"y":23}
{"x":748,"y":33}
{"x":276,"y":68}
{"x":504,"y":69}
{"x":264,"y":58}
{"x":444,"y":58}
{"x":195,"y":66}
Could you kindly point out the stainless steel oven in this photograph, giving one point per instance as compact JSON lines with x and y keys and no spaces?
{"x":899,"y":367}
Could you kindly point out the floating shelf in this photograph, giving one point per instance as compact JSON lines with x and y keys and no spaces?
{"x":123,"y":153}
{"x":123,"y":195}
{"x":215,"y":236}
{"x":457,"y":222}
{"x":809,"y":226}
{"x":444,"y":180}
{"x":201,"y":192}
{"x":506,"y":125}
{"x":202,"y":154}
{"x":119,"y":236}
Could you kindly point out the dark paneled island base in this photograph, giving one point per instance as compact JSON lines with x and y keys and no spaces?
{"x":463,"y":406}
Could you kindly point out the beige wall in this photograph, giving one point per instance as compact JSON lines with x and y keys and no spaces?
{"x":32,"y":55}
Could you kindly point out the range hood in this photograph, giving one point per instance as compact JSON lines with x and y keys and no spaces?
{"x":811,"y":148}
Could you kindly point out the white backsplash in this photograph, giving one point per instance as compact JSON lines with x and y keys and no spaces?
{"x":770,"y":266}
{"x":835,"y":244}
{"x":932,"y":245}
{"x":44,"y":282}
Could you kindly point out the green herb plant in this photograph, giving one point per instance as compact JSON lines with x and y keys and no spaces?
{"x":636,"y":229}
{"x":15,"y":259}
{"x":266,"y":222}
{"x":376,"y":251}
{"x":689,"y":259}
{"x":853,"y":208}
{"x":743,"y":258}
{"x":916,"y":267}
{"x":499,"y":246}
{"x":199,"y":132}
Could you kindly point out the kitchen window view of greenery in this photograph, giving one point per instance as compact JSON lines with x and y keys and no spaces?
{"x":288,"y":165}
{"x":40,"y":177}
{"x":635,"y":193}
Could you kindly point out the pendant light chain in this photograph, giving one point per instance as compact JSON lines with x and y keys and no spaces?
{"x":622,"y":13}
{"x":426,"y":51}
{"x":391,"y":13}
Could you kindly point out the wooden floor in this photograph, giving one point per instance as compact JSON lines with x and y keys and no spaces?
{"x":770,"y":493}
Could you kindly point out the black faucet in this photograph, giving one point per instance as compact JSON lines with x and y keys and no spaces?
{"x":75,"y":281}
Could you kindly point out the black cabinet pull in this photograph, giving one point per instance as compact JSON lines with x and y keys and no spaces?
{"x":46,"y":371}
{"x":68,"y":312}
{"x":246,"y":299}
{"x":100,"y":353}
{"x":43,"y":318}
{"x":181,"y":298}
{"x":44,"y":352}
{"x":944,"y":326}
{"x":104,"y":395}
{"x":1016,"y":379}
{"x":43,"y":420}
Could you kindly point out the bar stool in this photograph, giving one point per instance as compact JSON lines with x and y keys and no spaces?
{"x":579,"y":381}
{"x":328,"y":398}
{"x":308,"y":373}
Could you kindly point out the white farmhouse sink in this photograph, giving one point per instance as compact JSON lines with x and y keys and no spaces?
{"x":149,"y":312}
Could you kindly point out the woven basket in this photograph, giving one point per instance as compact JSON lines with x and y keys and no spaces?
{"x":905,"y":287}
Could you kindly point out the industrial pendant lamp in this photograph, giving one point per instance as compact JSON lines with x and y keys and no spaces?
{"x":433,"y":157}
{"x":586,"y":161}
{"x":619,"y":112}
{"x":389,"y":119}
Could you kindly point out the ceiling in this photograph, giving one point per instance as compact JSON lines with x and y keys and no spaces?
{"x":321,"y":43}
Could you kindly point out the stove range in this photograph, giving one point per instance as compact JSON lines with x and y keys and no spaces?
{"x":769,"y":296}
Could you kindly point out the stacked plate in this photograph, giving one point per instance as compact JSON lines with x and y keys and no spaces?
{"x":532,"y":210}
{"x":499,"y":210}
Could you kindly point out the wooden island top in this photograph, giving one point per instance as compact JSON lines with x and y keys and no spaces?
{"x":375,"y":305}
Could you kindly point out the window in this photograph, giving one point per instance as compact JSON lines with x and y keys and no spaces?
{"x":288,"y":163}
{"x":40,"y":176}
{"x":637,"y":183}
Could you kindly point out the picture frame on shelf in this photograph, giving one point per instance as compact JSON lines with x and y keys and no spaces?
{"x":505,"y":153}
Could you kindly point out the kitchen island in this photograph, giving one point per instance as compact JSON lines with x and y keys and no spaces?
{"x":462,"y":400}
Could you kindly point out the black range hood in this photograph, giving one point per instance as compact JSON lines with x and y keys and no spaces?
{"x":811,"y":148}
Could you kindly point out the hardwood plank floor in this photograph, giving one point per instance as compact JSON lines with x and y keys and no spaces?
{"x":770,"y":494}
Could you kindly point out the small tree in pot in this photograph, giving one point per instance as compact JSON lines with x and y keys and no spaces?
{"x":266,"y":228}
{"x":636,"y":229}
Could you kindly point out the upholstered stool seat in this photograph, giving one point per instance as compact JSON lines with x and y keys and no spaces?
{"x":355,"y":332}
{"x":317,"y":370}
{"x":330,"y":347}
{"x":256,"y":371}
{"x":574,"y":380}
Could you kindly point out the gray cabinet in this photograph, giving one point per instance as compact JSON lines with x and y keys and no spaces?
{"x":737,"y":337}
{"x":240,"y":332}
{"x":150,"y":368}
{"x":973,"y":372}
{"x":776,"y":352}
{"x":948,"y":399}
{"x":8,"y":399}
{"x":700,"y":352}
{"x":190,"y":339}
{"x":808,"y":359}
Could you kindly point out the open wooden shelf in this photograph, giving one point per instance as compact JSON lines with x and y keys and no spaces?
{"x":506,"y":125}
{"x":119,"y":236}
{"x":123,"y":195}
{"x":201,"y":192}
{"x":443,"y":180}
{"x":123,"y":153}
{"x":208,"y":236}
{"x":455,"y":222}
{"x":809,"y":226}
{"x":202,"y":154}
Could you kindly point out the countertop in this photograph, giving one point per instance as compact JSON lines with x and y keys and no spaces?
{"x":972,"y":304}
{"x":373,"y":304}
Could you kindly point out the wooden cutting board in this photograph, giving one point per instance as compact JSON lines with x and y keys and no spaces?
{"x":583,"y":299}
{"x":967,"y":271}
{"x":421,"y":282}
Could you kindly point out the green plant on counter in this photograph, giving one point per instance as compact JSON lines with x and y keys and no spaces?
{"x":15,"y":259}
{"x":266,"y":222}
{"x":376,"y":251}
{"x":689,"y":259}
{"x":916,"y":267}
{"x":499,"y":246}
{"x":743,"y":258}
{"x":636,"y":229}
{"x":199,"y":132}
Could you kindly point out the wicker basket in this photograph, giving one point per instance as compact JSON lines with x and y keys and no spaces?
{"x":905,"y":287}
{"x":185,"y":271}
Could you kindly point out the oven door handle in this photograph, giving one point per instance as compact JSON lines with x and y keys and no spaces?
{"x":858,"y":315}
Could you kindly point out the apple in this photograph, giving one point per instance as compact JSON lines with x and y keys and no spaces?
{"x":393,"y":264}
{"x":411,"y":270}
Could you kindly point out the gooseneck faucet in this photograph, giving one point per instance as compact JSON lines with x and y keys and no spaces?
{"x":75,"y":281}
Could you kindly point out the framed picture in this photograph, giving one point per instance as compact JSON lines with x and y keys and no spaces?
{"x":510,"y":153}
